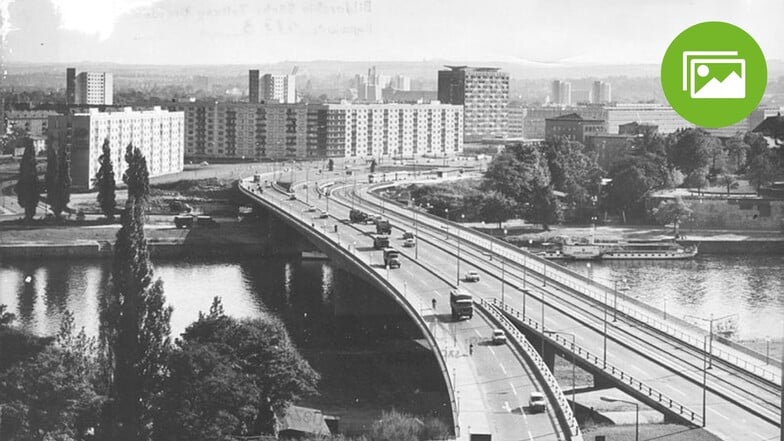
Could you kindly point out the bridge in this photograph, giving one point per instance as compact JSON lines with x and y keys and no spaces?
{"x":546,"y":309}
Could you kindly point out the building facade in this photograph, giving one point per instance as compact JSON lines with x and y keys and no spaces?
{"x":659,"y":115}
{"x":35,"y":122}
{"x":280,"y":89}
{"x":561,"y":93}
{"x":573,"y":127}
{"x":298,"y":131}
{"x":157,"y":133}
{"x":94,"y":89}
{"x":484,"y":94}
{"x":534,"y":117}
{"x":253,"y":86}
{"x":70,"y":86}
{"x":601,"y":92}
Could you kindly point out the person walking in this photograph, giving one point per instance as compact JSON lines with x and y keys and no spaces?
{"x":434,"y":304}
{"x":471,"y":349}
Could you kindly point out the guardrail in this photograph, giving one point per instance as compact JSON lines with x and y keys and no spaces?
{"x":633,"y":308}
{"x":412,"y":311}
{"x":655,"y":395}
{"x":553,"y":389}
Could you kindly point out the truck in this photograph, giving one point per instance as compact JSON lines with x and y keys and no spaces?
{"x":357,"y":216}
{"x":391,"y":258}
{"x":380,"y":242}
{"x":183,"y":221}
{"x":383,"y":227}
{"x":462,"y":304}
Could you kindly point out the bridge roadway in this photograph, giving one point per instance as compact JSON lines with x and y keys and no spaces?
{"x":493,"y":384}
{"x":739,"y":404}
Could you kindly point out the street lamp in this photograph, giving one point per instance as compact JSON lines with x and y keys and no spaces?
{"x":637,"y":413}
{"x":503,"y":277}
{"x":462,"y":217}
{"x":574,"y":387}
{"x":615,"y":296}
{"x":710,"y":333}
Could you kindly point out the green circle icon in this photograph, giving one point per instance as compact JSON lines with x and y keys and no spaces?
{"x":714,"y":74}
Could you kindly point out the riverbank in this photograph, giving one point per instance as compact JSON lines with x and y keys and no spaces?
{"x":709,"y":241}
{"x":232,"y":238}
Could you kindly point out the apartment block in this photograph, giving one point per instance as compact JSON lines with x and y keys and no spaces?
{"x":35,"y":122}
{"x":94,"y":89}
{"x":278,"y":89}
{"x":484,"y":94}
{"x":294,"y":131}
{"x":157,"y":133}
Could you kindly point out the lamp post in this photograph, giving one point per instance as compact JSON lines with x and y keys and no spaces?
{"x":574,"y":387}
{"x":307,"y":183}
{"x":615,"y":296}
{"x":604,"y":357}
{"x":710,"y":333}
{"x":637,"y":411}
{"x":503,"y":276}
{"x":462,"y":217}
{"x":704,"y":378}
{"x":416,"y":234}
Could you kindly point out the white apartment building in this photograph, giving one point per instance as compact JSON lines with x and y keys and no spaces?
{"x":157,"y":133}
{"x":278,"y":89}
{"x":394,"y":130}
{"x":94,"y":89}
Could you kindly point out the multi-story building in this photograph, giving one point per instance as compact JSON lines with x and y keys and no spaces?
{"x":279,"y":131}
{"x":601,"y":92}
{"x":253,"y":86}
{"x":70,"y":86}
{"x":659,"y":115}
{"x":484,"y":94}
{"x":157,"y":133}
{"x":573,"y":127}
{"x":278,"y":89}
{"x":534,"y":117}
{"x":515,"y":125}
{"x":370,"y":87}
{"x":35,"y":122}
{"x":94,"y":89}
{"x":561,"y":93}
{"x":582,"y":96}
{"x":401,"y":82}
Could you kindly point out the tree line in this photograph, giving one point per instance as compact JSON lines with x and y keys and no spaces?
{"x":222,"y":378}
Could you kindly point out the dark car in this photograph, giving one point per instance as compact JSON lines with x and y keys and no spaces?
{"x":206,"y":221}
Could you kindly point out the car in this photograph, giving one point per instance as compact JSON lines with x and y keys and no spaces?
{"x":292,"y":197}
{"x":471,"y":276}
{"x":204,"y":163}
{"x":323,"y":214}
{"x":498,"y":337}
{"x":409,"y":242}
{"x":408,"y":235}
{"x":537,"y":403}
{"x":206,"y":221}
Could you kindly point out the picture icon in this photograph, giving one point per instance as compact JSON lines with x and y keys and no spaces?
{"x":714,"y":75}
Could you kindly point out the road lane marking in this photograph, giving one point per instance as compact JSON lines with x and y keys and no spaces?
{"x":720,"y":414}
{"x":514,"y":391}
{"x":491,"y":350}
{"x":502,"y":368}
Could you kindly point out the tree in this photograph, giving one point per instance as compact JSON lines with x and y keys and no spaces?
{"x":520,"y":173}
{"x":398,"y":426}
{"x":104,"y":180}
{"x":574,"y":173}
{"x":231,"y":377}
{"x":52,"y":396}
{"x":762,"y":169}
{"x":9,"y":141}
{"x":58,"y":177}
{"x":28,"y":188}
{"x":635,"y":175}
{"x":135,"y":320}
{"x":373,"y":166}
{"x":672,"y":212}
{"x":331,"y":165}
{"x":496,"y":207}
{"x":728,"y":181}
{"x":697,"y":179}
{"x":692,"y":149}
{"x":737,"y":152}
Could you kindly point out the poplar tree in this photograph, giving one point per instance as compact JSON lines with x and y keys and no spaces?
{"x":136,"y":322}
{"x":28,"y":188}
{"x":58,"y":178}
{"x":104,"y":181}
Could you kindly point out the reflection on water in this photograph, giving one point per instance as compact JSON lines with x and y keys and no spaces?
{"x":750,"y":286}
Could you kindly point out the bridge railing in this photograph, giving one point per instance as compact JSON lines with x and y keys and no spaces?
{"x":287,"y":210}
{"x":598,"y":362}
{"x":553,"y":389}
{"x":678,"y":328}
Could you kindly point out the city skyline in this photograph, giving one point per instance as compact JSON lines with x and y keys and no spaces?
{"x":235,"y":32}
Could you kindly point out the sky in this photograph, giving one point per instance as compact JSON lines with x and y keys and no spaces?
{"x":266,"y":31}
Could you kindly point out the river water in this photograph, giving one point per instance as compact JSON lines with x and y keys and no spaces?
{"x":361,"y":342}
{"x":750,"y":288}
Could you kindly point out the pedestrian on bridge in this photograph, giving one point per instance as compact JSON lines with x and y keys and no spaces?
{"x":471,"y":349}
{"x":434,"y":304}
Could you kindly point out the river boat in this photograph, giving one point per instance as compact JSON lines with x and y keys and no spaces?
{"x":660,"y":250}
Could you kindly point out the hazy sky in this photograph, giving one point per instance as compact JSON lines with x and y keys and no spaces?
{"x":260,"y":31}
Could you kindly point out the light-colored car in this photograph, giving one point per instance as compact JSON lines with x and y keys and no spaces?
{"x":537,"y":403}
{"x":471,"y":276}
{"x":408,"y":243}
{"x":498,"y":337}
